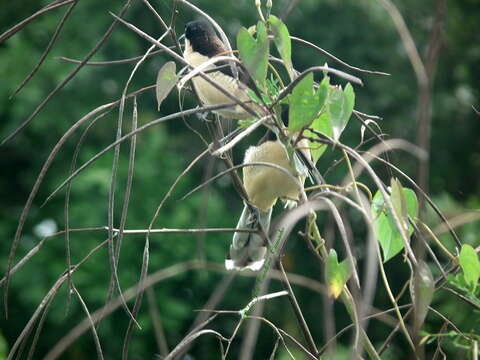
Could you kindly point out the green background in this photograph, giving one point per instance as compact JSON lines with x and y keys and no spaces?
{"x":359,"y":32}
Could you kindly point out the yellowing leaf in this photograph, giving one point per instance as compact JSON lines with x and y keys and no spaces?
{"x":337,"y":274}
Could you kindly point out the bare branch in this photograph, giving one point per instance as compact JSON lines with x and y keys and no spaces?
{"x":19,"y":26}
{"x":50,"y":45}
{"x":333,"y":57}
{"x":60,"y":86}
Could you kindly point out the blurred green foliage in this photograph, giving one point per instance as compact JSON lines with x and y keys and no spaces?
{"x":359,"y":32}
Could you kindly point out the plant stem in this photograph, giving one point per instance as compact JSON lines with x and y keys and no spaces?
{"x":345,"y":296}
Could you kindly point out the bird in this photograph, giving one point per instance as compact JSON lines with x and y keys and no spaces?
{"x":201,"y":44}
{"x":264,"y":185}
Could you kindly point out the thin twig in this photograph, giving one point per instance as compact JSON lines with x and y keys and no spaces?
{"x":112,"y":62}
{"x":407,"y":40}
{"x":333,"y":57}
{"x":19,"y":26}
{"x":286,"y":91}
{"x":462,"y":297}
{"x":160,"y":337}
{"x":98,"y":347}
{"x":50,"y":295}
{"x":50,"y":45}
{"x":70,"y":76}
{"x":252,"y":329}
{"x":298,"y":312}
{"x":214,"y":83}
{"x":129,"y":135}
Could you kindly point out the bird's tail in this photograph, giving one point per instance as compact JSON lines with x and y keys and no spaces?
{"x":248,"y":249}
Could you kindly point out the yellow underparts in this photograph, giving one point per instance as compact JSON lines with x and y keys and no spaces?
{"x":264,"y":185}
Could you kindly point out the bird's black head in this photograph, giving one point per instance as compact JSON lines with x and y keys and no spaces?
{"x":199,"y":29}
{"x":203,"y":39}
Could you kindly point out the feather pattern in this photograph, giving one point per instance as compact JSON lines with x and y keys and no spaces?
{"x":264,"y":186}
{"x":201,"y":44}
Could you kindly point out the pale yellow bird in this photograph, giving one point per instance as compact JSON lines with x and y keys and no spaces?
{"x":202,"y":44}
{"x":264,"y":186}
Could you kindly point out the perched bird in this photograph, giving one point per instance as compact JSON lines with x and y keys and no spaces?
{"x":264,"y":186}
{"x":201,"y":44}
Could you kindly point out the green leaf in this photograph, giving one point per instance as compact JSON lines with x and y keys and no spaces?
{"x":323,"y":125}
{"x":166,"y":80}
{"x":350,"y":101}
{"x":273,"y":86}
{"x":399,"y":201}
{"x":340,"y":107}
{"x":386,"y":230}
{"x":305,"y":104}
{"x":458,"y":282}
{"x":470,"y":265}
{"x":322,"y":92}
{"x":411,"y":202}
{"x":337,"y":274}
{"x":281,"y":38}
{"x":245,"y":123}
{"x":254,"y":53}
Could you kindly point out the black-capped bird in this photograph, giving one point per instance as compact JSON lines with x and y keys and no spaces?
{"x":202,"y":44}
{"x":264,"y":186}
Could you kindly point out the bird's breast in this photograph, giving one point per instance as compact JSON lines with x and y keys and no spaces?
{"x":209,"y":94}
{"x":264,"y":184}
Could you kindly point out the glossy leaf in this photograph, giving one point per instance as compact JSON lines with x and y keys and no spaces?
{"x":254,"y":52}
{"x":350,"y":101}
{"x":166,"y":80}
{"x":386,"y":229}
{"x":281,"y":38}
{"x":305,"y":104}
{"x":340,"y":107}
{"x":470,"y":265}
{"x":322,"y":92}
{"x":323,"y":125}
{"x":337,"y":274}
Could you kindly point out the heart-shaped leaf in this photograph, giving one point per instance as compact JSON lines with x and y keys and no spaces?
{"x":323,"y":125}
{"x":340,"y":107}
{"x":166,"y":80}
{"x":281,"y":38}
{"x":305,"y":104}
{"x":254,"y":53}
{"x":337,"y":274}
{"x":386,"y":229}
{"x":470,"y":265}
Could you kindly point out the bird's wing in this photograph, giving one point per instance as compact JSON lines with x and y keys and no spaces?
{"x":225,"y":67}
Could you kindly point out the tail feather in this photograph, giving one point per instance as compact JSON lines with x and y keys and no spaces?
{"x":248,"y":250}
